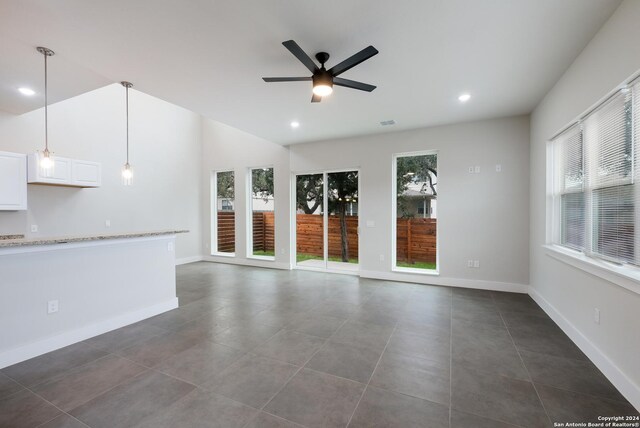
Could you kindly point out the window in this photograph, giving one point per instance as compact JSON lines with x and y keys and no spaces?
{"x":223,"y":215}
{"x":261,"y":212}
{"x":595,"y":188}
{"x":416,"y":185}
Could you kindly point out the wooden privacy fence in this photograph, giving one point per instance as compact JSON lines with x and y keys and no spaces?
{"x":416,"y":237}
{"x":309,"y":235}
{"x":226,"y":231}
{"x":416,"y":240}
{"x":263,"y":231}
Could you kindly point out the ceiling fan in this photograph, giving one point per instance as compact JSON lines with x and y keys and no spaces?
{"x":323,"y":79}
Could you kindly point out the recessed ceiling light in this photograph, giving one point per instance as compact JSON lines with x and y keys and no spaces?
{"x":295,"y":124}
{"x":388,"y":122}
{"x":26,"y":91}
{"x":463,"y":98}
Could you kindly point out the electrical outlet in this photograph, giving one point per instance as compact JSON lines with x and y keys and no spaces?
{"x":596,"y":315}
{"x":471,"y":170}
{"x":52,"y":306}
{"x":170,"y":246}
{"x":107,"y":223}
{"x":498,"y":168}
{"x":282,"y":251}
{"x":34,"y":228}
{"x":477,"y":169}
{"x":381,"y":257}
{"x":476,"y":263}
{"x":470,"y":263}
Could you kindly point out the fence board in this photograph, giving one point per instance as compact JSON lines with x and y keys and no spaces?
{"x":415,"y":237}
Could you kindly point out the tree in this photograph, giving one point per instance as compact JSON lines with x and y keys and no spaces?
{"x":262,"y":182}
{"x":226,"y":185}
{"x":309,"y":190}
{"x":343,"y":189}
{"x":414,"y":169}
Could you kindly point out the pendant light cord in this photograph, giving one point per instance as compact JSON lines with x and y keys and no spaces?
{"x":127,"y":96}
{"x":46,"y":103}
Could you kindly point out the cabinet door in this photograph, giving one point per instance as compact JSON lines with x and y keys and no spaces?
{"x":59,"y":174}
{"x":85,"y":173}
{"x":13,"y":181}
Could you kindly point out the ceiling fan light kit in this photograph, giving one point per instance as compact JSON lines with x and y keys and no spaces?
{"x":323,"y":80}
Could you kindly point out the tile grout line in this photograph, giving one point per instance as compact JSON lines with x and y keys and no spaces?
{"x":49,"y":402}
{"x":296,"y":372}
{"x":525,"y":366}
{"x":364,"y":391}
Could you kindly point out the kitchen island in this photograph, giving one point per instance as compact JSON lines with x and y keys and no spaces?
{"x":58,"y":291}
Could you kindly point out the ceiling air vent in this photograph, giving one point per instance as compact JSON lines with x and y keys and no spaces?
{"x":388,"y":122}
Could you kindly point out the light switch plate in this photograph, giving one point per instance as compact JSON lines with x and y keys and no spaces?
{"x":371,"y":223}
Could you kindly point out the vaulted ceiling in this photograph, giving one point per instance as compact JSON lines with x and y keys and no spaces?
{"x":209,"y":56}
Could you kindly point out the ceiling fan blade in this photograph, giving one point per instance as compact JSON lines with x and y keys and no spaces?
{"x":316,"y":98}
{"x":287,"y":79}
{"x":301,"y":55}
{"x":353,"y":60}
{"x":353,"y":84}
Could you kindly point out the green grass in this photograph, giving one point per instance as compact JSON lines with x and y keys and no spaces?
{"x":264,"y":253}
{"x":417,"y":265}
{"x":303,"y":257}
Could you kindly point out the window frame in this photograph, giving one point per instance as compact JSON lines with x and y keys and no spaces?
{"x":249,"y":214}
{"x":214,"y":213}
{"x":624,"y":274}
{"x":394,"y":209}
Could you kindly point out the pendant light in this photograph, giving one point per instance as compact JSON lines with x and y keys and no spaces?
{"x":45,"y":157}
{"x":127,"y":172}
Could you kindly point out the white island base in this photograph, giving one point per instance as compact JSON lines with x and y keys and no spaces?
{"x":99,"y":284}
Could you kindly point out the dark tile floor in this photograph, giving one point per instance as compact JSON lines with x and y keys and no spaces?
{"x":265,"y":348}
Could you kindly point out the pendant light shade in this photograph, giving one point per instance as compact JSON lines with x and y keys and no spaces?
{"x":127,"y":171}
{"x":45,"y":157}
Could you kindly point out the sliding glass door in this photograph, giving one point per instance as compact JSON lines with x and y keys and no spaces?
{"x":327,"y":238}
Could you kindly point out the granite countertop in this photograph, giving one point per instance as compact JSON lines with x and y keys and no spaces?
{"x":5,"y":237}
{"x":19,"y":241}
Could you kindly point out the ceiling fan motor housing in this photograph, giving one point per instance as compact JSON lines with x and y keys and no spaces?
{"x":323,"y":77}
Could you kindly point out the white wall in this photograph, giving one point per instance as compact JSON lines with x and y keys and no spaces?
{"x":100,"y":286}
{"x":481,"y":216}
{"x":165,"y":154}
{"x":227,"y":148}
{"x":571,"y":294}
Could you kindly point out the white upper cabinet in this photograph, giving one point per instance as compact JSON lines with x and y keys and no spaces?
{"x":65,"y":172}
{"x":13,"y":181}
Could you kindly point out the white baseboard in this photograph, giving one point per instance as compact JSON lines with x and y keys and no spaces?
{"x":192,"y":259}
{"x":33,"y":349}
{"x":269,"y":264}
{"x":626,"y":386}
{"x":449,"y":282}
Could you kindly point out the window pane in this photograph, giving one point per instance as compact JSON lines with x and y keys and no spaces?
{"x":416,"y":224}
{"x":342,"y":221}
{"x":310,"y":220}
{"x":613,"y":222}
{"x":226,"y":216}
{"x":262,"y":212}
{"x":572,"y":220}
{"x":607,"y":135}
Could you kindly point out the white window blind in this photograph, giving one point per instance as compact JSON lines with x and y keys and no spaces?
{"x":569,"y":173}
{"x":609,"y":178}
{"x":595,"y":191}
